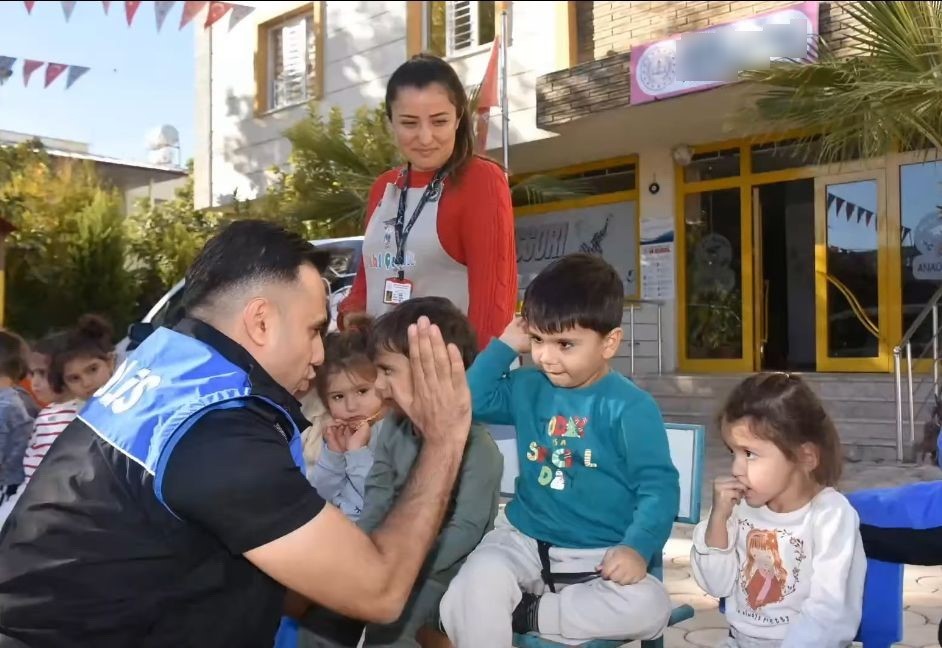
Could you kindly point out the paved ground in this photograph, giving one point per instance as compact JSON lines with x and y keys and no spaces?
{"x":922,"y":585}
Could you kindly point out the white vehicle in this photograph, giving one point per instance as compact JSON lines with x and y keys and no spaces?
{"x":341,"y":269}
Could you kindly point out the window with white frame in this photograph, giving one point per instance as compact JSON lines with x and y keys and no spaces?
{"x":456,"y":27}
{"x":291,"y":50}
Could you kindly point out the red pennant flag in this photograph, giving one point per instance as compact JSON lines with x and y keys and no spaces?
{"x":106,"y":4}
{"x":29,"y":5}
{"x":30,"y":66}
{"x":53,"y":70}
{"x":130,"y":8}
{"x":487,"y":96}
{"x":216,"y":11}
{"x":190,"y":9}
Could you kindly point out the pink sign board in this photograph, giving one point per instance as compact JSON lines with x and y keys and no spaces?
{"x":711,"y":57}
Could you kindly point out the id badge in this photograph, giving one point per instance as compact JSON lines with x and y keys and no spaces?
{"x":397,"y":291}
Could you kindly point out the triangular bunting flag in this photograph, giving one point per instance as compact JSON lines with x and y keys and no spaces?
{"x":68,"y":6}
{"x":130,"y":8}
{"x":868,"y":217}
{"x":75,"y":71}
{"x":238,"y":14}
{"x":840,"y":203}
{"x":860,"y":212}
{"x":161,"y":9}
{"x":30,"y":66}
{"x":107,"y":5}
{"x":216,"y":11}
{"x":190,"y":9}
{"x":831,"y":198}
{"x":849,"y":210}
{"x":6,"y":68}
{"x":53,"y":70}
{"x":29,"y":5}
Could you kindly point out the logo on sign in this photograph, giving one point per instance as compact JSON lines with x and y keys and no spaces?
{"x":927,"y":266}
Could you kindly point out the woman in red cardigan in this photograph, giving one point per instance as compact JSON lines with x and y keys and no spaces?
{"x":451,"y":233}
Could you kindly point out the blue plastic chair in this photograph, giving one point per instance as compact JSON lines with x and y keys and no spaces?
{"x":688,"y":448}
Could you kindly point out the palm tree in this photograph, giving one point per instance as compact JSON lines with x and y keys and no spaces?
{"x":886,"y":96}
{"x":332,"y":168}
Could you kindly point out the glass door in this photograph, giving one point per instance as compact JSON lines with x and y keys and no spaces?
{"x":851,"y":269}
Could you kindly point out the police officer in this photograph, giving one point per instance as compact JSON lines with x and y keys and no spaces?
{"x":173,"y":511}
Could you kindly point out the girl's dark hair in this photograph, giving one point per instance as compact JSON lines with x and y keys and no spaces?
{"x":91,"y":338}
{"x":346,"y":351}
{"x":423,"y":70}
{"x":13,"y":352}
{"x":781,"y":408}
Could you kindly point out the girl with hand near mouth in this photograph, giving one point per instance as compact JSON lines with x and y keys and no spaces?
{"x":344,"y":384}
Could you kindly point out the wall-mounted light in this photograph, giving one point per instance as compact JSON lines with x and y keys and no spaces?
{"x":682,"y":154}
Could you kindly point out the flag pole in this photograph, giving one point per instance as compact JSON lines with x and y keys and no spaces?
{"x":504,"y":111}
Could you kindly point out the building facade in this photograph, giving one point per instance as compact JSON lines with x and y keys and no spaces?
{"x":757,"y":260}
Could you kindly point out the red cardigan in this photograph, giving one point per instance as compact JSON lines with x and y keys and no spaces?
{"x":476,"y":228}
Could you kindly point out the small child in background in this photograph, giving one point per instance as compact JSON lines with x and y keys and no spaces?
{"x":86,"y":361}
{"x":781,"y":545}
{"x":62,"y":406}
{"x":344,"y":383}
{"x":15,"y":422}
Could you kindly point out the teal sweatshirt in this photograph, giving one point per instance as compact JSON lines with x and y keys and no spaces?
{"x":595,"y":465}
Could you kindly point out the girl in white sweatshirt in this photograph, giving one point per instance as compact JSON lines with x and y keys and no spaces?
{"x":781,"y":545}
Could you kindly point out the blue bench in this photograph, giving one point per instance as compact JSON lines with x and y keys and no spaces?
{"x":688,"y":449}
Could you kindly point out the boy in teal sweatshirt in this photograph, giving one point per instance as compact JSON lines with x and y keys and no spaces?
{"x":597,"y":491}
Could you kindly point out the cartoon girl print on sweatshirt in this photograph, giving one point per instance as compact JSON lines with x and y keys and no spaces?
{"x":764,"y":577}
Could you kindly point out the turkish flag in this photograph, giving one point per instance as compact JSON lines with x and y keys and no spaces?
{"x":53,"y":70}
{"x":130,"y":8}
{"x":216,"y":11}
{"x":487,"y":96}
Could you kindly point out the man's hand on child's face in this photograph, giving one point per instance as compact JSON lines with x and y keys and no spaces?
{"x":517,"y":335}
{"x":623,"y":565}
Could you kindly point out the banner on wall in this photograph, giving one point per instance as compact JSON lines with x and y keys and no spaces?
{"x":609,"y":231}
{"x":707,"y":58}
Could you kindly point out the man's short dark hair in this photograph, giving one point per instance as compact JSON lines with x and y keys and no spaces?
{"x":244,"y":252}
{"x":577,"y":290}
{"x":391,"y":330}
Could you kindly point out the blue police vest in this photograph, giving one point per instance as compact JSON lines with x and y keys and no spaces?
{"x":163,"y":387}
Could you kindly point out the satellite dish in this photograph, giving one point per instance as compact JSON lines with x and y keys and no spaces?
{"x":165,"y":136}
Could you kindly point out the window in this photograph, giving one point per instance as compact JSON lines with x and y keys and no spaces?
{"x":291,"y":60}
{"x":454,"y":27}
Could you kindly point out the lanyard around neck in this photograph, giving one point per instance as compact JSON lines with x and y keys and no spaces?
{"x":402,"y":228}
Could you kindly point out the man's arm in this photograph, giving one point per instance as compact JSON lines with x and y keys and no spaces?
{"x":331,"y":561}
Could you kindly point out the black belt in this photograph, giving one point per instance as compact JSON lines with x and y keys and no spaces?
{"x":565,"y":578}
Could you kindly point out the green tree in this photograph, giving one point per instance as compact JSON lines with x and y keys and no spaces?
{"x":887,"y":94}
{"x":67,"y":255}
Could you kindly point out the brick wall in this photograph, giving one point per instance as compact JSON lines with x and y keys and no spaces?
{"x":606,"y":28}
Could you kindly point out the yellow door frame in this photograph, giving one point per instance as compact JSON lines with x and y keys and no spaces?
{"x":751,"y":315}
{"x":884,"y":325}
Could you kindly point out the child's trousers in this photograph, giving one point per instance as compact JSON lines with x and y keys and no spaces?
{"x":476,"y":610}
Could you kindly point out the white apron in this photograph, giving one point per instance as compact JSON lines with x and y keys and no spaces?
{"x":427,"y":265}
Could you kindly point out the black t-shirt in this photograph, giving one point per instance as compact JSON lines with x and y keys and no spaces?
{"x":90,"y":557}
